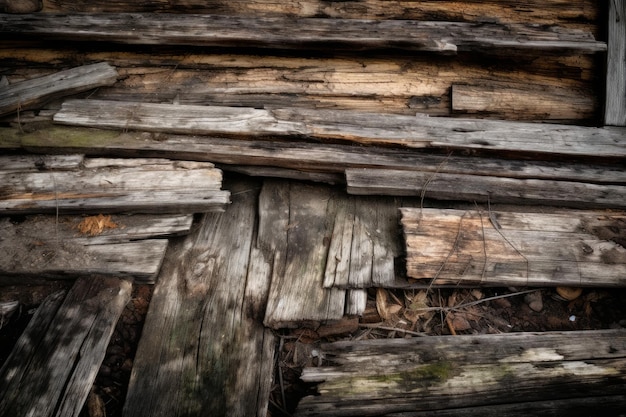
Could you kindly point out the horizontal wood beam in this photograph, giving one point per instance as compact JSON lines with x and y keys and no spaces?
{"x":300,"y":33}
{"x":455,"y":247}
{"x":349,"y":126}
{"x":470,"y":375}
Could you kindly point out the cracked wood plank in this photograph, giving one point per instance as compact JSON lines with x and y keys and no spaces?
{"x":573,"y":248}
{"x":114,"y":185}
{"x":203,"y":347}
{"x":471,"y":375}
{"x":54,"y":363}
{"x":301,"y":33}
{"x":35,"y":92}
{"x":349,"y":126}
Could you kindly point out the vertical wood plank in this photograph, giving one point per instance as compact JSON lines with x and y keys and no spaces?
{"x":615,"y":109}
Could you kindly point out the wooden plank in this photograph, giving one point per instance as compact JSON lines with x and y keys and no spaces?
{"x":54,"y":364}
{"x":302,"y":156}
{"x":40,"y":162}
{"x":479,"y":188}
{"x":300,"y":33}
{"x":354,"y":127}
{"x":615,"y":108}
{"x":501,"y":249}
{"x":496,"y":101}
{"x":32,"y":93}
{"x":364,"y":244}
{"x":572,"y":13}
{"x":142,"y":186}
{"x":203,"y":347}
{"x":296,"y":221}
{"x":442,"y":374}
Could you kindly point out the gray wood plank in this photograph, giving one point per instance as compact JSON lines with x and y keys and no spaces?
{"x":406,"y":376}
{"x":204,"y":348}
{"x":301,"y":33}
{"x":480,"y":188}
{"x":573,"y":248}
{"x":350,"y":126}
{"x":615,"y":107}
{"x":158,"y":186}
{"x":303,"y":157}
{"x":32,"y":93}
{"x":300,"y":226}
{"x":52,"y":367}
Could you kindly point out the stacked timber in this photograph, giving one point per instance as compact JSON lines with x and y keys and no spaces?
{"x":390,"y":100}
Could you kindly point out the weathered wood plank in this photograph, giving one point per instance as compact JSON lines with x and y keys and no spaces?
{"x":296,"y":220}
{"x":32,"y":93}
{"x":26,"y":163}
{"x":301,"y":156}
{"x":572,"y":13}
{"x":501,"y":249}
{"x":498,"y":101}
{"x":159,"y":186}
{"x":444,"y":373}
{"x":52,"y":367}
{"x":443,"y":186}
{"x":615,"y":108}
{"x":300,"y":33}
{"x":362,"y":128}
{"x":204,"y":348}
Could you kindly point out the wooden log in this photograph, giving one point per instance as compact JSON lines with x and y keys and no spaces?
{"x":32,"y":93}
{"x":615,"y":108}
{"x":54,"y":363}
{"x":455,"y":247}
{"x":443,"y":186}
{"x":361,"y":128}
{"x":301,"y":156}
{"x":296,"y":225}
{"x":203,"y":347}
{"x":553,"y":104}
{"x":38,"y":247}
{"x":573,"y":13}
{"x":367,"y":82}
{"x":300,"y":33}
{"x":157,"y":186}
{"x":466,"y":375}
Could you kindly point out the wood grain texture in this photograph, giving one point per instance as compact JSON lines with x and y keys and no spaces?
{"x":479,"y":188}
{"x":354,"y":127}
{"x":302,"y":157}
{"x":32,"y":93}
{"x":615,"y":108}
{"x":453,"y":247}
{"x":296,"y":223}
{"x":522,"y":371}
{"x":52,"y":367}
{"x":157,"y":186}
{"x":300,"y":33}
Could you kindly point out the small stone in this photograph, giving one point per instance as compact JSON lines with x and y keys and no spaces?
{"x":534,"y":301}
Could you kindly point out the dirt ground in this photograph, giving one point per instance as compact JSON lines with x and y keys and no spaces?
{"x":397,"y":313}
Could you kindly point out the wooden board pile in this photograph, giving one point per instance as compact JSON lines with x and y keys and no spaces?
{"x":95,"y":123}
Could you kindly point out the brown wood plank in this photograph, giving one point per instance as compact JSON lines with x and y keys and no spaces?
{"x":158,"y":186}
{"x":296,"y":222}
{"x":615,"y":108}
{"x":479,"y":188}
{"x":32,"y":93}
{"x":300,"y":33}
{"x":203,"y":347}
{"x":355,"y":127}
{"x":508,"y":371}
{"x":303,"y":157}
{"x":574,"y":248}
{"x":52,"y":367}
{"x":496,"y":101}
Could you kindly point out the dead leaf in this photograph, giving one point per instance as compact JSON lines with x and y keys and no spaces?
{"x":95,"y":225}
{"x":382,"y":302}
{"x":569,"y":293}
